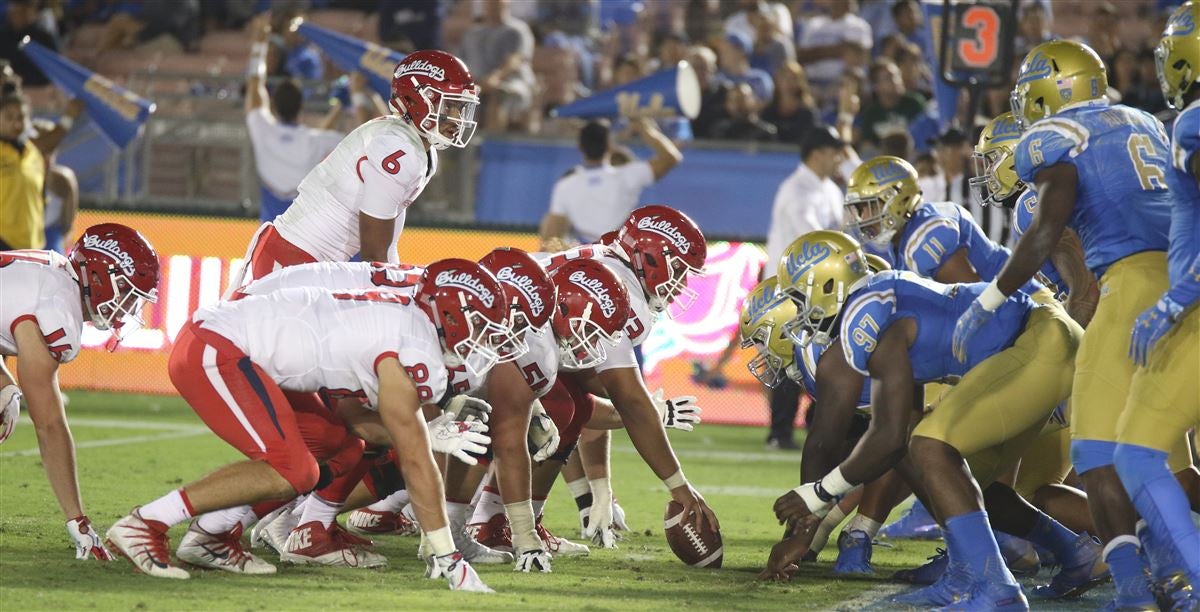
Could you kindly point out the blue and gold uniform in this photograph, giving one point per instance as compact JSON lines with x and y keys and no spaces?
{"x":1022,"y":217}
{"x":1122,"y":214}
{"x":1014,"y":376}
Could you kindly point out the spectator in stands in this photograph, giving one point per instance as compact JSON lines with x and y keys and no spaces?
{"x":23,"y":170}
{"x":62,"y":204}
{"x":744,"y":122}
{"x":1103,"y":30}
{"x":793,"y":111}
{"x":832,"y":44}
{"x":284,"y":150}
{"x":628,"y":68}
{"x":914,"y":71}
{"x":910,"y":22}
{"x":163,"y":25}
{"x":771,"y":47}
{"x":498,"y":52}
{"x":1033,"y":27}
{"x":672,"y":48}
{"x":807,"y":200}
{"x":408,"y":25}
{"x":734,"y":60}
{"x":596,"y":197}
{"x":891,"y":108}
{"x":712,"y":91}
{"x":21,"y":21}
{"x":294,"y":56}
{"x":741,"y":22}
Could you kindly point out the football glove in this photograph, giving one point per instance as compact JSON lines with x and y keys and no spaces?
{"x":465,"y":408}
{"x":10,"y":410}
{"x":543,"y":433}
{"x":454,"y":568}
{"x":967,"y":326}
{"x":458,"y":438}
{"x":87,"y":541}
{"x":1151,"y":326}
{"x":536,"y":560}
{"x":678,"y":412}
{"x":600,"y":529}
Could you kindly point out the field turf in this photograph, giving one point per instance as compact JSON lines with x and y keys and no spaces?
{"x":135,"y":448}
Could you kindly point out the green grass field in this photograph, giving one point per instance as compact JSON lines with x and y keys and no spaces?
{"x":134,"y":448}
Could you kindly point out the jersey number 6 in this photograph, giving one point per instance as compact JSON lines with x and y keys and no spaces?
{"x":391,"y":163}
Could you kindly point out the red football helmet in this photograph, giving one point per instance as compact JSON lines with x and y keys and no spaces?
{"x":118,"y":271}
{"x":466,"y":304}
{"x":663,"y":246}
{"x":593,"y":305}
{"x":435,"y":90}
{"x":527,"y":291}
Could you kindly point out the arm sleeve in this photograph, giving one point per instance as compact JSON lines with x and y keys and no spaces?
{"x":390,"y":174}
{"x":1049,"y":142}
{"x":864,"y":324}
{"x":636,"y":175}
{"x":930,"y":245}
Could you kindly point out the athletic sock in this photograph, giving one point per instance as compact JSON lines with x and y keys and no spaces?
{"x":170,"y":509}
{"x":831,"y":521}
{"x":320,"y":510}
{"x":974,"y":545}
{"x":582,"y":492}
{"x":1129,"y":569}
{"x":457,"y":512}
{"x":249,"y":517}
{"x":1053,"y":536}
{"x":489,"y":505}
{"x":222,"y":521}
{"x":539,"y":504}
{"x":1174,"y":542}
{"x":864,"y":524}
{"x":392,"y":503}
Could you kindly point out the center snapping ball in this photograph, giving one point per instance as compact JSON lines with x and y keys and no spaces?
{"x":695,"y":547}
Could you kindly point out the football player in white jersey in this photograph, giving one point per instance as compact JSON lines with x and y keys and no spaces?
{"x":356,"y":199}
{"x":108,"y":275}
{"x":232,"y":361}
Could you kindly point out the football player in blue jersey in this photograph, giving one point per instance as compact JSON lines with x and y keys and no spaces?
{"x":1164,"y":400}
{"x":1101,"y":170}
{"x":891,"y":326}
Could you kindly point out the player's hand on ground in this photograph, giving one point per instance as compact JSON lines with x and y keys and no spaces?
{"x":533,"y":561}
{"x":460,"y":439}
{"x":600,"y":529}
{"x":790,"y":508}
{"x":781,"y":565}
{"x":678,"y":412}
{"x":695,"y":509}
{"x":454,"y":568}
{"x":10,"y":410}
{"x":86,"y":540}
{"x":543,"y":434}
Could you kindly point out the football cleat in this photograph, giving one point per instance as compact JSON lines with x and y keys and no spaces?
{"x":992,"y":597}
{"x":619,"y":517}
{"x":953,"y":585}
{"x":916,"y":524}
{"x":458,"y":571}
{"x":368,"y":522}
{"x":928,"y":573}
{"x":474,"y":551}
{"x":271,"y":531}
{"x":1019,"y":555}
{"x":1177,"y":593}
{"x":145,"y":544}
{"x":494,"y":534}
{"x":560,"y":547}
{"x":221,"y":551}
{"x":854,"y":554}
{"x":530,"y":561}
{"x":314,"y":544}
{"x":1081,"y":571}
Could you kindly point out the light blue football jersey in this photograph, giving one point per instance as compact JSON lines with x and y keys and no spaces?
{"x":806,"y":364}
{"x":1123,"y":204}
{"x":893,"y":295}
{"x":1185,"y":216}
{"x":1022,"y":217}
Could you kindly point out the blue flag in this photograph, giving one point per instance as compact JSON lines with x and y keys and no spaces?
{"x":352,"y":54}
{"x":118,"y":112}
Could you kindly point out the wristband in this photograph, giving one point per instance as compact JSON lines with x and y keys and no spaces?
{"x":835,"y":484}
{"x":523,"y":526}
{"x":66,"y":122}
{"x":441,"y":543}
{"x":359,"y":100}
{"x":258,"y":60}
{"x":992,"y":297}
{"x":812,"y":500}
{"x":676,"y":480}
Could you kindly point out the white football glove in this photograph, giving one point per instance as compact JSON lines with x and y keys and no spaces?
{"x":543,"y":433}
{"x":678,"y":412}
{"x":619,"y":517}
{"x":600,"y":518}
{"x":458,"y":438}
{"x":536,"y":560}
{"x":86,"y":540}
{"x":454,"y":568}
{"x":466,"y":408}
{"x":10,"y":410}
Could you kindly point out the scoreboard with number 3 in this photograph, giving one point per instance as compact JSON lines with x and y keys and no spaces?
{"x":977,"y":41}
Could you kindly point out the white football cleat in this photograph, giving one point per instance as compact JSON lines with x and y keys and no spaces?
{"x":457,"y":571}
{"x":530,"y":561}
{"x":368,"y":522}
{"x":145,"y":544}
{"x":222,"y":551}
{"x":273,"y":530}
{"x":619,"y":517}
{"x":560,"y":547}
{"x":474,"y":551}
{"x":315,"y":544}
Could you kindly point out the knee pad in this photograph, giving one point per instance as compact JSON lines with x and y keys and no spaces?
{"x":1137,"y":465}
{"x":564,"y":451}
{"x":1087,"y":455}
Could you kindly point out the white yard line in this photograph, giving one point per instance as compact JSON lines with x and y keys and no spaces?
{"x":121,"y":423}
{"x":873,"y":599}
{"x":171,"y":431}
{"x":733,"y":456}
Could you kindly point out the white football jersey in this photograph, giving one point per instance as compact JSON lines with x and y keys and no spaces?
{"x":394,"y":278}
{"x":309,"y":339}
{"x":540,"y":365}
{"x":378,"y":169}
{"x":40,"y":286}
{"x":641,"y":318}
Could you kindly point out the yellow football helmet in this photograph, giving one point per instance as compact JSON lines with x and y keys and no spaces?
{"x":995,"y":177}
{"x":817,"y":272}
{"x":881,"y":195}
{"x":1056,"y":74}
{"x":876,"y":263}
{"x":765,"y":313}
{"x":1177,"y":56}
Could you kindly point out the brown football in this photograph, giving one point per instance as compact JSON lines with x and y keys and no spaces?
{"x":695,"y":547}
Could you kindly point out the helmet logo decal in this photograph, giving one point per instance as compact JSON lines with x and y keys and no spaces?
{"x":1006,"y":129}
{"x":667,"y":230}
{"x":110,"y":247}
{"x":595,"y":288}
{"x":888,"y":172}
{"x":1038,"y":67}
{"x":525,"y":285}
{"x":1181,"y":24}
{"x":759,"y":304}
{"x":468,"y":282}
{"x":810,"y":255}
{"x":420,"y":67}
